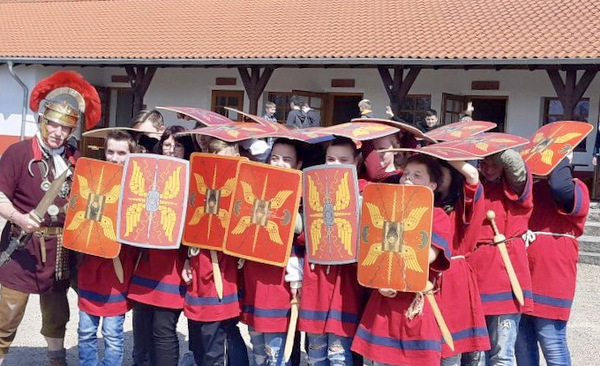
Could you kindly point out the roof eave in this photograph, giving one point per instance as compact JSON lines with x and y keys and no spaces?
{"x":332,"y":62}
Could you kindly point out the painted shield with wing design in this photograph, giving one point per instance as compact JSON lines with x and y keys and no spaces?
{"x":152,"y":207}
{"x":551,"y":143}
{"x":460,"y":130}
{"x":91,"y":215}
{"x":212,"y":182}
{"x":331,"y":214}
{"x":395,"y":237}
{"x":265,"y":207}
{"x":485,"y":144}
{"x":361,"y":131}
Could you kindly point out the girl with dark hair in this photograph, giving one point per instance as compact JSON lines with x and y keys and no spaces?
{"x":157,"y":286}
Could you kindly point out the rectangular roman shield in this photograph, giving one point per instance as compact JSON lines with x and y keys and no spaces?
{"x":552,"y":143}
{"x":331,"y":213}
{"x":152,"y":207}
{"x":236,"y":132}
{"x":204,"y":116}
{"x":460,"y":130}
{"x":311,"y":135}
{"x":486,"y":144}
{"x":405,"y":127}
{"x":212,"y":182}
{"x":439,"y":152}
{"x":361,"y":131}
{"x":274,"y":126}
{"x":395,"y":237}
{"x":265,"y":206}
{"x":91,"y":215}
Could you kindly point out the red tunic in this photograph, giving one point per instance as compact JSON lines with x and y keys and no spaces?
{"x":512,"y":217}
{"x":458,"y":295}
{"x":25,"y":271}
{"x":201,"y":300}
{"x":386,"y":335}
{"x":553,"y":259}
{"x":330,"y":302}
{"x":267,"y":296}
{"x":100,"y":291}
{"x":157,"y":280}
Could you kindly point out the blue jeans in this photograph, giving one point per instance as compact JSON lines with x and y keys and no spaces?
{"x":329,"y":349}
{"x":503,"y":331}
{"x":112,"y":332}
{"x":464,"y":359}
{"x":552,"y":337}
{"x":267,"y":348}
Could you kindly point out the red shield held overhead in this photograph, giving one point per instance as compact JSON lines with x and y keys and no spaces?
{"x":152,"y":207}
{"x":310,"y":135}
{"x":274,"y":126}
{"x":460,"y":130}
{"x":265,"y":206}
{"x":212,"y":181}
{"x":235,"y":132}
{"x":91,"y":215}
{"x":361,"y":131}
{"x":331,"y":213}
{"x":486,"y":144}
{"x":443,"y":153}
{"x":552,"y":143}
{"x":204,"y":116}
{"x":395,"y":237}
{"x":404,"y":127}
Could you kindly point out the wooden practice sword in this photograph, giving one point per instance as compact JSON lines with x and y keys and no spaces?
{"x":500,"y":242}
{"x":439,"y":318}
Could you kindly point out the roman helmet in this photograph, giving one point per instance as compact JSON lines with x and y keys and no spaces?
{"x":67,"y":99}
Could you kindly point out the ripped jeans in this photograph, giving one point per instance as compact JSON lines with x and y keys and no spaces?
{"x":267,"y":348}
{"x":329,"y":349}
{"x":503,"y":330}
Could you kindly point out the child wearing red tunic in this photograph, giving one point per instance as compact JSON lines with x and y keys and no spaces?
{"x":458,"y":294}
{"x":332,"y":299}
{"x":269,"y":289}
{"x":388,"y":333}
{"x":507,"y":185}
{"x":101,"y":293}
{"x":212,"y":322}
{"x":553,"y":252}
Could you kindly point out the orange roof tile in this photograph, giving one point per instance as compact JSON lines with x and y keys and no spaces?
{"x":281,"y":31}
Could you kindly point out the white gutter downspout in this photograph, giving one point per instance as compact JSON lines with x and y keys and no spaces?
{"x":25,"y":95}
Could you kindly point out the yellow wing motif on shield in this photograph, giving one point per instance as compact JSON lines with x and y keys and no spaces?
{"x":172,"y":187}
{"x":376,"y":216}
{"x":314,"y":199}
{"x":200,"y":184}
{"x":84,"y":187}
{"x":137,"y":184}
{"x":567,"y":137}
{"x":197,"y":216}
{"x":113,"y":195}
{"x":414,"y":217}
{"x":273,"y":231}
{"x":241,"y":226}
{"x":224,"y":217}
{"x":374,"y":252}
{"x":133,"y":216}
{"x":342,"y":196}
{"x":367,"y":130}
{"x":168,"y":217}
{"x":228,"y":187}
{"x":249,"y":196}
{"x":538,"y":137}
{"x":410,"y":259}
{"x":77,"y":220}
{"x":279,"y":199}
{"x":315,"y":234}
{"x":344,"y":231}
{"x":108,"y":228}
{"x":547,"y":156}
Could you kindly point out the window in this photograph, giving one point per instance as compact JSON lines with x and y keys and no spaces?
{"x":553,"y":111}
{"x":414,"y":107}
{"x":282,"y":102}
{"x":227,"y":98}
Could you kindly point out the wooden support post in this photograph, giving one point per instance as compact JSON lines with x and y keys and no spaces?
{"x":398,"y":86}
{"x":140,"y":78}
{"x":570,"y":91}
{"x":255,"y":82}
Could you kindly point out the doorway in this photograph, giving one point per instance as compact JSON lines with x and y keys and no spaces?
{"x":342,"y":107}
{"x":491,"y":109}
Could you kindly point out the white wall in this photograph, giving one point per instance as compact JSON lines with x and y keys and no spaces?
{"x":193,"y":87}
